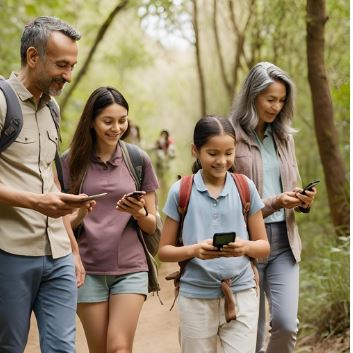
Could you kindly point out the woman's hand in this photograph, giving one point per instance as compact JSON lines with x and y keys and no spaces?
{"x":136,"y":207}
{"x":79,"y":214}
{"x":79,"y":269}
{"x":307,"y":198}
{"x":288,"y":199}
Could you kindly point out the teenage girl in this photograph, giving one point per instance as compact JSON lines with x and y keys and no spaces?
{"x":214,"y":207}
{"x":116,"y":285}
{"x":265,"y":153}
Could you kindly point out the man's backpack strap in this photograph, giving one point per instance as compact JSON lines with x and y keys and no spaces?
{"x":244,"y":192}
{"x":14,"y":122}
{"x":134,"y":162}
{"x":13,"y":119}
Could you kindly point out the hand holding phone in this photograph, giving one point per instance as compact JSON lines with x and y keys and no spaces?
{"x":136,"y":194}
{"x":93,"y":197}
{"x":221,"y":239}
{"x":310,"y":186}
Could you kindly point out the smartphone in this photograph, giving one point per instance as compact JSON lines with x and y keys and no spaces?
{"x":310,"y":186}
{"x":220,"y":239}
{"x":93,"y":197}
{"x":136,"y":194}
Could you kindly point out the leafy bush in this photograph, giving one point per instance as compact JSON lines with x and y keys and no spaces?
{"x":324,"y":293}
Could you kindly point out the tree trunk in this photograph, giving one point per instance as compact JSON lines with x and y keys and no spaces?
{"x":198,"y":59}
{"x":103,"y":29}
{"x":326,"y":133}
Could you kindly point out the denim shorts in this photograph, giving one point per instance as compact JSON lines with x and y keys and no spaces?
{"x":98,"y":288}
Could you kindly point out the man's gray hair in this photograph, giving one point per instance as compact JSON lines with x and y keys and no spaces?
{"x":244,"y":112}
{"x":37,"y":32}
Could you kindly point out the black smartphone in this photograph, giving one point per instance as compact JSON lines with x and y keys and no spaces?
{"x":93,"y":197}
{"x":220,"y":239}
{"x":136,"y":194}
{"x":310,"y":186}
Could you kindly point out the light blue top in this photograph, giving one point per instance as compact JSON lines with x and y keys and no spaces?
{"x":271,"y":172}
{"x":206,"y":216}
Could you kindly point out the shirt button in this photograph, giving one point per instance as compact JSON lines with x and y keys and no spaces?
{"x":215,"y":204}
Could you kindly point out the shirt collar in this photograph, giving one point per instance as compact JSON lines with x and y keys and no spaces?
{"x":115,"y":159}
{"x":200,"y":185}
{"x":23,"y":93}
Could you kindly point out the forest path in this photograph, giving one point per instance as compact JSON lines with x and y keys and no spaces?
{"x":157,"y":329}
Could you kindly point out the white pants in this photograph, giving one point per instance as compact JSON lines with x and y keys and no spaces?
{"x":203,"y":320}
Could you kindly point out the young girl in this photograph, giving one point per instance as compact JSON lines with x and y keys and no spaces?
{"x":215,"y":207}
{"x":265,"y":153}
{"x":115,"y":288}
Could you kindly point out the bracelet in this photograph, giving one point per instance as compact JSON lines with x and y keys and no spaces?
{"x":140,"y":217}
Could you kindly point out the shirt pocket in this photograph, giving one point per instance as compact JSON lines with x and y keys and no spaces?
{"x":50,"y":146}
{"x":25,"y":147}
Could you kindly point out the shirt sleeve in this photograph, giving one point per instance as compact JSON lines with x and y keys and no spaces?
{"x":150,"y":180}
{"x":171,"y":205}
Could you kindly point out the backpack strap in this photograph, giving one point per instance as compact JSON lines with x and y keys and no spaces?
{"x":14,"y":123}
{"x":13,"y":119}
{"x":54,"y":112}
{"x":184,"y":198}
{"x":134,"y":162}
{"x":244,"y":193}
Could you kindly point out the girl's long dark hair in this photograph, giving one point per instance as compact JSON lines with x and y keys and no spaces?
{"x":207,"y":127}
{"x":84,"y":139}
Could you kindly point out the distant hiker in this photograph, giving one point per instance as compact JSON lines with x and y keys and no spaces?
{"x":134,"y":135}
{"x":117,"y":278}
{"x":215,"y":278}
{"x":265,"y":152}
{"x":165,"y":149}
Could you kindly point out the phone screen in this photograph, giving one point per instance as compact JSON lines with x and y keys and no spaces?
{"x":220,"y":239}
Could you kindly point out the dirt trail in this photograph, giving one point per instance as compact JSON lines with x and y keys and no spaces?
{"x":157,"y":330}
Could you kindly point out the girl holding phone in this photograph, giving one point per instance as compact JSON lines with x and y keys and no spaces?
{"x":215,"y":207}
{"x":265,"y":152}
{"x":116,"y":284}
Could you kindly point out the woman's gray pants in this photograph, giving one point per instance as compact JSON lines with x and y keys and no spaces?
{"x":279,"y":280}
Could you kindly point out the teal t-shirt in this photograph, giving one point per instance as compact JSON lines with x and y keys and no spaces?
{"x":272,"y":184}
{"x":206,"y":216}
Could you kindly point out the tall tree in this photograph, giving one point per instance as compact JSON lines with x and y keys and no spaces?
{"x":195,"y":24}
{"x":100,"y":35}
{"x":230,"y":80}
{"x":326,"y":133}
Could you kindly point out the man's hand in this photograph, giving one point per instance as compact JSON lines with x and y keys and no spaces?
{"x":59,"y":204}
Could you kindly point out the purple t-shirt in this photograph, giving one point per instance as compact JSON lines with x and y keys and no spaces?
{"x":108,"y":242}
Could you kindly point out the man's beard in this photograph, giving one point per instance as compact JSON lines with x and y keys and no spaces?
{"x":49,"y":87}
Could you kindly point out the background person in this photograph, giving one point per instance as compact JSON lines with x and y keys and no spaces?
{"x":265,"y":153}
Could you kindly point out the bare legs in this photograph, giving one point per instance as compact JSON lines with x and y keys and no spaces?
{"x":110,"y":326}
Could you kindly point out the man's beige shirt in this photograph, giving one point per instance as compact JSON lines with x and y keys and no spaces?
{"x":27,"y":164}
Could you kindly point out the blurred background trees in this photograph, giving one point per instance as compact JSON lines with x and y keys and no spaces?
{"x":176,"y":60}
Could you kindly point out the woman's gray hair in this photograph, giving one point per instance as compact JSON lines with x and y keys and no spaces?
{"x":37,"y":32}
{"x":244,"y":112}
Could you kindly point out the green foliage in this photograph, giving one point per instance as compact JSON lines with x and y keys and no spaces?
{"x":159,"y":80}
{"x":324,"y":296}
